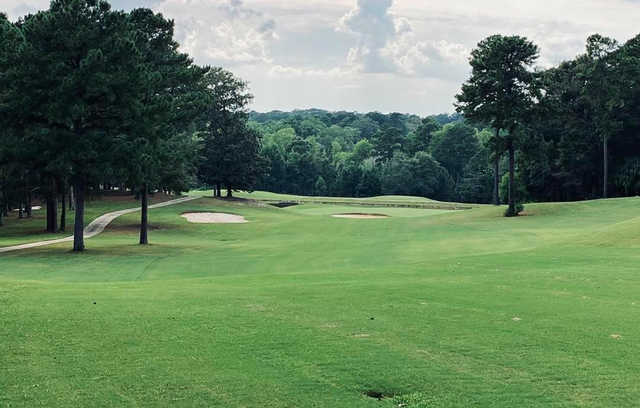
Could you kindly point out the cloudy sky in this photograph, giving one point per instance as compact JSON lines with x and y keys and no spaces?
{"x":364,"y":55}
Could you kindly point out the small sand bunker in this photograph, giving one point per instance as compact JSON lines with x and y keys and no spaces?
{"x":361,"y":216}
{"x":214,"y":218}
{"x":33,"y":208}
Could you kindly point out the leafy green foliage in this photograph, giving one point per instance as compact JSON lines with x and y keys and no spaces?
{"x":502,"y":92}
{"x":454,"y":146}
{"x":231,"y":148}
{"x":360,"y":155}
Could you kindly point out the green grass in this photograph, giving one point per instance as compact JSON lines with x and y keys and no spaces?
{"x":20,"y":231}
{"x":380,"y":201}
{"x":328,"y":210}
{"x":299,"y":309}
{"x":265,"y":195}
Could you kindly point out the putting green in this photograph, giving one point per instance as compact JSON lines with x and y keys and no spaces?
{"x":300,"y":309}
{"x":327,"y":210}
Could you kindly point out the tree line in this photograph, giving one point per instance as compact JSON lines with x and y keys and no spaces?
{"x":95,"y":99}
{"x":569,"y":132}
{"x":315,"y":152}
{"x":565,"y":133}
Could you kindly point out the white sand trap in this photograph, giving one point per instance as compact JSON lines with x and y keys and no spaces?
{"x":34,"y":208}
{"x":214,"y":218}
{"x":361,"y":216}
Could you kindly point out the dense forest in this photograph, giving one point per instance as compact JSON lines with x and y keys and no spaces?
{"x":574,"y":136}
{"x":314,"y":152}
{"x":93,"y":99}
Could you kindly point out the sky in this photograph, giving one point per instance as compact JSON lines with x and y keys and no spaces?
{"x":407,"y":56}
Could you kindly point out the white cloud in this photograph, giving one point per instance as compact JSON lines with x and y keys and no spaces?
{"x":283,"y":71}
{"x":18,"y":8}
{"x":227,"y":33}
{"x":387,"y":55}
{"x":387,"y":43}
{"x":374,"y":28}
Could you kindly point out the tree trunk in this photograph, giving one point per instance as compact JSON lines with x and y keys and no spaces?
{"x":218,"y":192}
{"x":511,"y":212}
{"x":496,"y":181}
{"x":71,"y":199}
{"x":52,"y":213}
{"x":605,"y":161}
{"x":78,"y":227}
{"x":496,"y":172}
{"x":1,"y":211}
{"x":63,"y":207}
{"x":229,"y":192}
{"x":29,"y":208}
{"x":144,"y":221}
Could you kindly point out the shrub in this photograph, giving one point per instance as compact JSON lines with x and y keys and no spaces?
{"x":519,"y":208}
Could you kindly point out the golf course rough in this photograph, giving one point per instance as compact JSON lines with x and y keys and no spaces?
{"x":297,"y":309}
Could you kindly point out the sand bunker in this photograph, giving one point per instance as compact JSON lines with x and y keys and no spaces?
{"x":361,"y":216}
{"x":214,"y":218}
{"x":34,"y":208}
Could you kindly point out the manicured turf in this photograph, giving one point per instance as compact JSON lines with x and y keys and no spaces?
{"x":20,"y":231}
{"x":300,"y":309}
{"x":388,"y":200}
{"x":318,"y":209}
{"x":257,"y":195}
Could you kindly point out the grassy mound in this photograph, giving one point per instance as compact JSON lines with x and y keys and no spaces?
{"x":296,"y":308}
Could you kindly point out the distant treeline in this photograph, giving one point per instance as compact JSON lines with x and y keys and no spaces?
{"x":315,"y":152}
{"x":573,"y":132}
{"x":97,"y":99}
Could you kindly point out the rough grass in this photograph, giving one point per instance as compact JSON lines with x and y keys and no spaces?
{"x":21,"y":231}
{"x":299,"y":309}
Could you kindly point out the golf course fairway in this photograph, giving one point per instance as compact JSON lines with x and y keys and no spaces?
{"x":297,"y":308}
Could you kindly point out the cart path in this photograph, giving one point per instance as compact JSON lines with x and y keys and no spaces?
{"x":96,"y":226}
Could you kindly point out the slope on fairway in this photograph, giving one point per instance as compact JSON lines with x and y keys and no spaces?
{"x":299,"y":309}
{"x":18,"y":231}
{"x":387,"y":200}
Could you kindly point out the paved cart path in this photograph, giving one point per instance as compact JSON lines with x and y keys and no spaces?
{"x":96,"y":226}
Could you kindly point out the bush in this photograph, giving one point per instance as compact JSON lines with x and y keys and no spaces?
{"x":519,"y":208}
{"x":521,"y":193}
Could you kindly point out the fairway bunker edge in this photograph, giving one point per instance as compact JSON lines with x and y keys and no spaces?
{"x":213,"y":218}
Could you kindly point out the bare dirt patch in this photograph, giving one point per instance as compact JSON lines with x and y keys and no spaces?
{"x":213,"y":218}
{"x":361,"y":216}
{"x":379,"y":395}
